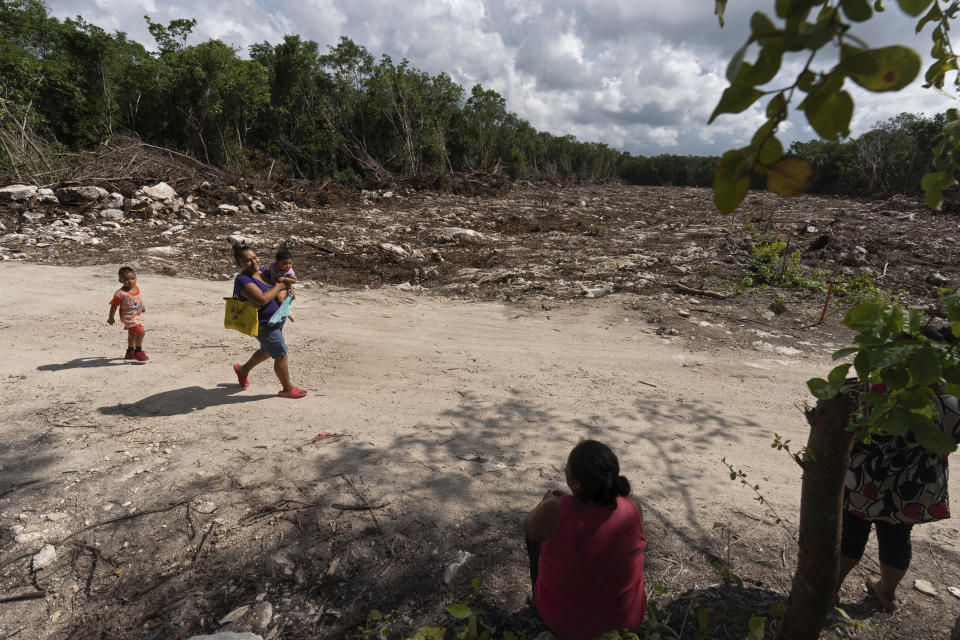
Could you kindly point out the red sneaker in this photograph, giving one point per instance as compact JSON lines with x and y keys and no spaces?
{"x":140,"y":356}
{"x":129,"y":355}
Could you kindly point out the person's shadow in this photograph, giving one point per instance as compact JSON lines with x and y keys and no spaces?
{"x":85,"y":363}
{"x":183,"y":401}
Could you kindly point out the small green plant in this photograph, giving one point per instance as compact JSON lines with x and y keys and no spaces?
{"x":380,"y":625}
{"x":848,"y":627}
{"x":738,"y":474}
{"x":723,"y":565}
{"x":656,"y":623}
{"x":861,"y":288}
{"x":772,"y":264}
{"x":596,"y":231}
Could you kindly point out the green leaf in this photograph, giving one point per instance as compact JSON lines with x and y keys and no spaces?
{"x":838,"y":375}
{"x":430,"y":633}
{"x":376,"y":615}
{"x":735,"y":98}
{"x":813,"y":36}
{"x":857,"y":10}
{"x":770,"y":151}
{"x":821,"y":389}
{"x":952,"y":375}
{"x":789,"y":176}
{"x":460,"y":611}
{"x":806,"y":80}
{"x":924,"y":366}
{"x":896,"y":378}
{"x":914,"y":7}
{"x":914,"y":398}
{"x":932,"y":15}
{"x":733,"y":69}
{"x":888,"y":355}
{"x":761,"y":26}
{"x":896,"y":422}
{"x":830,"y":114}
{"x":933,"y":185}
{"x":731,"y":180}
{"x":842,"y":353}
{"x":718,"y":9}
{"x":862,"y":315}
{"x":933,"y":439}
{"x":768,"y":63}
{"x":894,"y":68}
{"x":777,"y":106}
{"x":873,"y":399}
{"x":862,"y":364}
{"x":756,"y":625}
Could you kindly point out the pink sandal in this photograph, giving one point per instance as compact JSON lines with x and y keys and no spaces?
{"x":242,"y":379}
{"x":295,"y":392}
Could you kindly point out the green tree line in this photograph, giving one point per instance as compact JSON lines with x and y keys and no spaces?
{"x":340,"y":112}
{"x":308,"y":112}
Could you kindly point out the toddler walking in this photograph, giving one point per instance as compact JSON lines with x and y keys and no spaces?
{"x":129,"y":300}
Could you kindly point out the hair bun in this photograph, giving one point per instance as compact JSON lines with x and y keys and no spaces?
{"x":623,"y":486}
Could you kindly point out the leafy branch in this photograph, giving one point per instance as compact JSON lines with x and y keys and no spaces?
{"x":827,"y":106}
{"x":895,"y":350}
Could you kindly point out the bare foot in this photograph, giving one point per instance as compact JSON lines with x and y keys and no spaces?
{"x":888,"y":603}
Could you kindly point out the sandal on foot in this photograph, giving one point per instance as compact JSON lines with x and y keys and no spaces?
{"x":241,"y":379}
{"x":888,"y":605}
{"x":294,"y":392}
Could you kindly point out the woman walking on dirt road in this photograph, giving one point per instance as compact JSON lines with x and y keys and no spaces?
{"x":249,"y":285}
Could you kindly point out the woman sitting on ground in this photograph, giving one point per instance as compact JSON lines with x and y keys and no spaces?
{"x":586,"y":549}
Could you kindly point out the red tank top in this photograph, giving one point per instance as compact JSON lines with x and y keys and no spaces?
{"x":591,"y":571}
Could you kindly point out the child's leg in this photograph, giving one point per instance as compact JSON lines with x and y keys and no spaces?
{"x":139,"y":340}
{"x":131,"y":340}
{"x":281,"y":296}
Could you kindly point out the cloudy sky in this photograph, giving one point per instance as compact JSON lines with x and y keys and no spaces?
{"x":639,"y":75}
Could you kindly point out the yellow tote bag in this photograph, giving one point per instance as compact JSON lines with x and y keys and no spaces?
{"x":241,"y":315}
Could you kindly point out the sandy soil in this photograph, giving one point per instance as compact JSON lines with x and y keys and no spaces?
{"x":449,"y":420}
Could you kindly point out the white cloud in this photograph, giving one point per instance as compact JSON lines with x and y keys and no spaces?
{"x":640,"y":76}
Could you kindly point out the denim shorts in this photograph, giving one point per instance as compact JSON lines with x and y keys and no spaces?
{"x":271,"y":341}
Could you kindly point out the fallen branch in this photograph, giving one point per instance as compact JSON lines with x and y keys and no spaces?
{"x":359,"y":507}
{"x":23,"y":595}
{"x":699,"y":292}
{"x":13,"y":488}
{"x":202,"y":541}
{"x":272,"y":510}
{"x":369,"y":510}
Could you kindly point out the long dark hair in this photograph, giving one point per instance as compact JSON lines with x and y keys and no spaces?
{"x":597,"y":469}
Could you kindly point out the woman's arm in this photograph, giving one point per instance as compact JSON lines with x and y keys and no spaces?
{"x":252,"y":292}
{"x":541,"y":523}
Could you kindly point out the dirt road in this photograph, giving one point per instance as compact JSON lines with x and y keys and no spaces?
{"x":448,"y":420}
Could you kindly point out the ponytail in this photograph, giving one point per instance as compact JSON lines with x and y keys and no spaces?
{"x":238,"y":249}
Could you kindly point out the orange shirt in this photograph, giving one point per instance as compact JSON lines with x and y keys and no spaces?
{"x":131,"y":304}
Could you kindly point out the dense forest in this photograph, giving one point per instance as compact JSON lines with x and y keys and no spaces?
{"x":341,"y":113}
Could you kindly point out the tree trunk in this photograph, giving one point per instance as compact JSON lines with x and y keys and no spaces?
{"x":821,"y":501}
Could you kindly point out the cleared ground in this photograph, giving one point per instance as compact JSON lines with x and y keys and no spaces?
{"x":172,"y":497}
